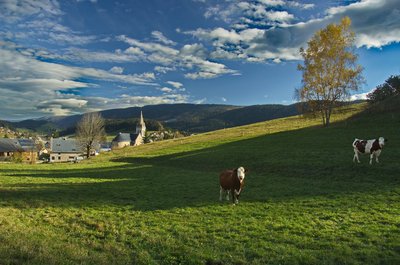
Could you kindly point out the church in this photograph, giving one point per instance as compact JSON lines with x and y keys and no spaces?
{"x":130,"y":139}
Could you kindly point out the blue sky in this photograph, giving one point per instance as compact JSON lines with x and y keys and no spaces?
{"x":68,"y":57}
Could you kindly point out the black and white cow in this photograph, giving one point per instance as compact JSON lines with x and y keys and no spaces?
{"x":371,"y":147}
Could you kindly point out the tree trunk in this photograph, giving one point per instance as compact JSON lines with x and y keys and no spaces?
{"x":328,"y":120}
{"x":328,"y":116}
{"x":323,"y":118}
{"x":87,"y":151}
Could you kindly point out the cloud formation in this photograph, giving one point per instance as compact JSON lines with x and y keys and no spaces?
{"x":15,"y":10}
{"x":251,"y":41}
{"x":190,"y":57}
{"x":35,"y":85}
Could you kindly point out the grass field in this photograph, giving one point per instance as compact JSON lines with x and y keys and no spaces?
{"x":305,"y":202}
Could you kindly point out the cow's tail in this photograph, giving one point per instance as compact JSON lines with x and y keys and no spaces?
{"x":355,"y":142}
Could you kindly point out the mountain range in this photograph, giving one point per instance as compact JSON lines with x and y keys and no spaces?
{"x":193,"y":118}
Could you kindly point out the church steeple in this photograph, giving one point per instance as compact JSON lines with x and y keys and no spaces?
{"x":141,"y":126}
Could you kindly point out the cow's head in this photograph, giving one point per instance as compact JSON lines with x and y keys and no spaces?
{"x":241,"y":173}
{"x":382,"y":141}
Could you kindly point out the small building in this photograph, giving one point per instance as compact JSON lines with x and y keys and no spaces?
{"x":9,"y":147}
{"x":64,"y":150}
{"x":126,"y":139}
{"x":23,"y":150}
{"x":130,"y":139}
{"x":30,"y":150}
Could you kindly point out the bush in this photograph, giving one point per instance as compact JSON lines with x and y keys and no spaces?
{"x":17,"y":157}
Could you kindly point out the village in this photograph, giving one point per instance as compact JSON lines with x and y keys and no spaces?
{"x":16,"y":147}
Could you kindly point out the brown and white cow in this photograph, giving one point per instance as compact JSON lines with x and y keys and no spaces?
{"x":232,"y":181}
{"x":371,"y":147}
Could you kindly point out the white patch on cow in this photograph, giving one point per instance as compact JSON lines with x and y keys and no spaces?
{"x":381,"y":141}
{"x":241,"y":173}
{"x":368,"y":146}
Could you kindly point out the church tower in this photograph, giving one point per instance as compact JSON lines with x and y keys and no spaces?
{"x":141,"y":126}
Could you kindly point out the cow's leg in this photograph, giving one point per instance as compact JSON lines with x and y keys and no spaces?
{"x":233,"y":196}
{"x":237,"y":194}
{"x":377,"y":154}
{"x":370,"y":158}
{"x":221,"y":192}
{"x":356,"y":156}
{"x":227,"y":194}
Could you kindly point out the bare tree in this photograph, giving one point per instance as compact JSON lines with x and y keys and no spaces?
{"x":90,"y":131}
{"x":330,"y":69}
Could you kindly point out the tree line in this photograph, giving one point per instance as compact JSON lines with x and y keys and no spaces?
{"x":390,"y":88}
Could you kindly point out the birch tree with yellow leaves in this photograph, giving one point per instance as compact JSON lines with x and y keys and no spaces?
{"x":330,"y":70}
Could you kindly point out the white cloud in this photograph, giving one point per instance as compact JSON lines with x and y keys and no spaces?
{"x":66,"y":106}
{"x":193,"y":50}
{"x":149,"y":46}
{"x":70,"y":38}
{"x":223,"y":99}
{"x":39,"y":19}
{"x":163,"y":69}
{"x":161,"y":38}
{"x":272,"y":2}
{"x":135,"y":51}
{"x":261,"y":12}
{"x":200,"y":101}
{"x":360,"y":96}
{"x":84,"y":55}
{"x":147,"y":76}
{"x":189,"y":57}
{"x":41,"y":85}
{"x":208,"y":69}
{"x":221,"y":36}
{"x":92,"y":1}
{"x":15,"y":10}
{"x":176,"y":85}
{"x":125,"y":101}
{"x":218,"y":35}
{"x":117,"y":70}
{"x":280,"y":16}
{"x":166,"y":89}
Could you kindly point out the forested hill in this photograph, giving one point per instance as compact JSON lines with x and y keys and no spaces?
{"x":183,"y":117}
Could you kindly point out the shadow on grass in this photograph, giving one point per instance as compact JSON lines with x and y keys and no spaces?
{"x":284,"y":166}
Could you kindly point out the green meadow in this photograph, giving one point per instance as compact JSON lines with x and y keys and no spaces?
{"x":305,"y":201}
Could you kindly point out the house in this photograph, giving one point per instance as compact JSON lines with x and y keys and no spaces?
{"x":30,"y":150}
{"x":23,"y":150}
{"x":130,"y":139}
{"x":9,"y":147}
{"x":64,"y":150}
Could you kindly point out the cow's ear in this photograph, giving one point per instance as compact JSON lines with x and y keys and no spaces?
{"x":246,"y":170}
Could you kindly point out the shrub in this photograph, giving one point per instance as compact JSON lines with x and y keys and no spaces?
{"x":17,"y":157}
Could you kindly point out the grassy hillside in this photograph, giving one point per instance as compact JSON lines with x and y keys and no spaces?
{"x":305,"y":202}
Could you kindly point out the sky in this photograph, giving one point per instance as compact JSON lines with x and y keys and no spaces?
{"x":64,"y":57}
